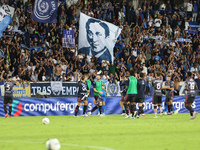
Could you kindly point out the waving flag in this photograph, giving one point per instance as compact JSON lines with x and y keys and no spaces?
{"x":45,"y":11}
{"x":9,"y":10}
{"x":5,"y":17}
{"x":97,"y":38}
{"x":8,"y":59}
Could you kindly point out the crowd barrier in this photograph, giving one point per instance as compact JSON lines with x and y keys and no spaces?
{"x":67,"y":89}
{"x":66,"y":106}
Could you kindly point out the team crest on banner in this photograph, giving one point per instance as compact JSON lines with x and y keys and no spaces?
{"x":97,"y":38}
{"x":113,"y":89}
{"x":45,"y":11}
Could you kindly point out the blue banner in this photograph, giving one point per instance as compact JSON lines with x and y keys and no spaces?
{"x":45,"y":11}
{"x":183,"y":40}
{"x":68,"y":38}
{"x":4,"y":23}
{"x":66,"y":106}
{"x":192,"y":32}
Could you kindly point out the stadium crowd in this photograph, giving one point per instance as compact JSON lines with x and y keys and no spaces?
{"x":147,"y":43}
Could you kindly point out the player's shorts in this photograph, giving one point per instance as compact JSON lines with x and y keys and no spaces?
{"x":169,"y":97}
{"x":123,"y":96}
{"x":103,"y":99}
{"x":82,"y":98}
{"x":104,"y":93}
{"x":147,"y":89}
{"x":103,"y":96}
{"x":189,"y":99}
{"x":156,"y":99}
{"x":98,"y":99}
{"x":139,"y":100}
{"x":129,"y":98}
{"x":8,"y":99}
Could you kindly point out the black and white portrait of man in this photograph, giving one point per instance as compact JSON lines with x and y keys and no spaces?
{"x":98,"y":40}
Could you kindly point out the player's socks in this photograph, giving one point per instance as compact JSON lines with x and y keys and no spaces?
{"x":134,"y":107}
{"x":104,"y":109}
{"x":190,"y":109}
{"x":5,"y":109}
{"x":155,"y":114}
{"x":140,"y":111}
{"x":171,"y":107}
{"x":94,"y":108}
{"x":76,"y":111}
{"x":84,"y":109}
{"x":131,"y":109}
{"x":166,"y":107}
{"x":100,"y":108}
{"x":10,"y":110}
{"x":174,"y":109}
{"x":126,"y":109}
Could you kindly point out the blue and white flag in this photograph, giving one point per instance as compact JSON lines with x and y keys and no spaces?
{"x":5,"y":18}
{"x":183,"y":40}
{"x":97,"y":38}
{"x":68,"y":38}
{"x":45,"y":11}
{"x":9,"y":10}
{"x":1,"y":53}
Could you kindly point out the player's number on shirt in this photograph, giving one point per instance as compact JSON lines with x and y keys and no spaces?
{"x":7,"y":87}
{"x":192,"y":85}
{"x":158,"y":86}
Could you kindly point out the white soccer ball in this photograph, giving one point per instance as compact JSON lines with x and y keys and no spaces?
{"x":45,"y":121}
{"x":53,"y":144}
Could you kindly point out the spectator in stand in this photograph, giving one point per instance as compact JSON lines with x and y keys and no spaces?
{"x":189,"y":8}
{"x":149,"y":36}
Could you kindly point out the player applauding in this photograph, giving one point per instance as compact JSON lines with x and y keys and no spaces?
{"x":131,"y":82}
{"x":83,"y":93}
{"x":169,"y":86}
{"x":141,"y":87}
{"x":190,"y":86}
{"x":98,"y":87}
{"x":157,"y":94}
{"x":8,"y":94}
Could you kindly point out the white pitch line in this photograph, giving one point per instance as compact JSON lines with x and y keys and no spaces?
{"x":65,"y":144}
{"x":88,"y":146}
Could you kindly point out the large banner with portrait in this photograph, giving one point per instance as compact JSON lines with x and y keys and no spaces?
{"x":97,"y":38}
{"x":68,"y":38}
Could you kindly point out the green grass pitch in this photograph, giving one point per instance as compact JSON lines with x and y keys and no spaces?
{"x":112,"y":132}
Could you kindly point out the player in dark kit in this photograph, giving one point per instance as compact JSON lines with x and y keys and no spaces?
{"x":141,"y":87}
{"x":131,"y":83}
{"x":83,"y":93}
{"x":190,"y":86}
{"x":8,"y":94}
{"x":157,"y":94}
{"x":169,"y":86}
{"x":123,"y":93}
